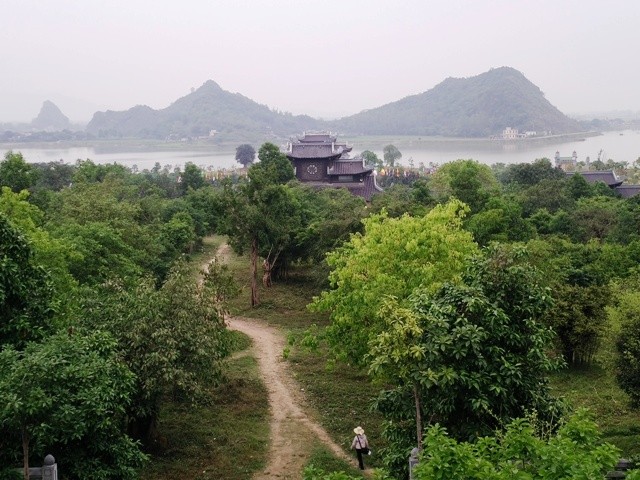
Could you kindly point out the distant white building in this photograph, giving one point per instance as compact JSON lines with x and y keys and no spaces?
{"x":511,"y":134}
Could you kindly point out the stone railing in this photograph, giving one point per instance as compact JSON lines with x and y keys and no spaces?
{"x":48,"y":470}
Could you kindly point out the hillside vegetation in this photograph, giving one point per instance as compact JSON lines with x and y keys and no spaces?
{"x":205,"y":109}
{"x":458,"y":107}
{"x":478,"y":106}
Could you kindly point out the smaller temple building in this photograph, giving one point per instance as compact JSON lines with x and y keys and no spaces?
{"x":320,"y":160}
{"x":609,"y":178}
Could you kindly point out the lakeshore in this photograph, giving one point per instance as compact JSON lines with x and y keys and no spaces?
{"x":141,"y":154}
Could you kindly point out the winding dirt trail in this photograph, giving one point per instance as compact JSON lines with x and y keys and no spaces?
{"x":292,"y":431}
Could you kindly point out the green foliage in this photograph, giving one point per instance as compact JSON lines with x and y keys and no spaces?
{"x":16,"y":173}
{"x":371,"y":159}
{"x":391,"y":154}
{"x":580,"y":320}
{"x":393,"y":257}
{"x":578,"y":187}
{"x":528,"y":174}
{"x":70,"y":393}
{"x":87,"y":171}
{"x":475,"y":354}
{"x":245,"y":154}
{"x":500,"y":221}
{"x":520,"y":452}
{"x":626,"y":313}
{"x":27,"y":302}
{"x":399,"y":199}
{"x":329,"y":216}
{"x":466,"y":180}
{"x":191,"y":178}
{"x":595,"y":217}
{"x":549,"y":194}
{"x":274,"y":168}
{"x":172,"y":338}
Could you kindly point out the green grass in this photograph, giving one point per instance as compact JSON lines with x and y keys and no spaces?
{"x":595,"y":388}
{"x":226,"y":440}
{"x":324,"y":459}
{"x":204,"y":253}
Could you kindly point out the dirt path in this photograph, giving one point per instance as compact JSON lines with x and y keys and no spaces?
{"x":292,"y":431}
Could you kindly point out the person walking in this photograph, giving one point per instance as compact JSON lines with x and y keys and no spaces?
{"x":361,"y":444}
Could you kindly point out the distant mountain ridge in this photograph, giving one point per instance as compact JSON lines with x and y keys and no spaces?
{"x":477,"y":106}
{"x":197,"y":114}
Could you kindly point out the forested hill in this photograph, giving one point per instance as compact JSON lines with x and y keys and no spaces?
{"x":478,"y":106}
{"x":205,"y":109}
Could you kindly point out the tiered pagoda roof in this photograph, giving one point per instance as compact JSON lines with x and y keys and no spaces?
{"x":316,"y":145}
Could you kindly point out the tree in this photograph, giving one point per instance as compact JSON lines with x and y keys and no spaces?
{"x":466,"y":180}
{"x":391,"y":154}
{"x":191,"y":178}
{"x":27,"y":302}
{"x":371,"y":159}
{"x":71,"y":390}
{"x":245,"y":154}
{"x":471,"y":356}
{"x":527,"y":174}
{"x":16,"y":173}
{"x":172,"y":338}
{"x":625,"y":315}
{"x":579,"y":319}
{"x":574,"y":451}
{"x":501,"y":220}
{"x":399,"y":199}
{"x":263,"y":214}
{"x":393,"y":257}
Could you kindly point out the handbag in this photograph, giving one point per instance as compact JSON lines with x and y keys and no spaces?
{"x":365,"y":450}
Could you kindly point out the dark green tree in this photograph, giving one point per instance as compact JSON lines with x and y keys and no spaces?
{"x":471,"y":356}
{"x":192,"y":177}
{"x":70,"y":393}
{"x":173,"y":339}
{"x":391,"y":154}
{"x":263,"y":215}
{"x":245,"y":154}
{"x":466,"y":180}
{"x":27,"y":302}
{"x":16,"y":173}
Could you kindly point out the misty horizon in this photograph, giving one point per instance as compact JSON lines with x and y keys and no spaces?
{"x":325,"y":60}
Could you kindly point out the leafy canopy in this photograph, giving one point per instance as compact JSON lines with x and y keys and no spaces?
{"x":393,"y":257}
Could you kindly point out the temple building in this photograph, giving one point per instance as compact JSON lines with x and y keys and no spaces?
{"x":609,"y":178}
{"x":319,"y":160}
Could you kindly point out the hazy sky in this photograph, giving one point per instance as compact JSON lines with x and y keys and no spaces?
{"x":327,"y":58}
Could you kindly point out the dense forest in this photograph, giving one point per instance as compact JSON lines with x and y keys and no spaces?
{"x":456,"y":294}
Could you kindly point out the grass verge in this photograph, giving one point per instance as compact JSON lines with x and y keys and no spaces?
{"x":224,"y":441}
{"x":595,"y":388}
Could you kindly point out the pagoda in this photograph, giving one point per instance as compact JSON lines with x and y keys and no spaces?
{"x":320,"y":160}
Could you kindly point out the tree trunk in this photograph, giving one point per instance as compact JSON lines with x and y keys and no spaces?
{"x":416,"y":396}
{"x":266,"y":277}
{"x":25,"y":452}
{"x":254,"y":273}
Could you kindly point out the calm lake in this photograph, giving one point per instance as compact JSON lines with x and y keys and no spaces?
{"x":619,"y":146}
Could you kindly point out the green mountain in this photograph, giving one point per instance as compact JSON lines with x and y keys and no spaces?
{"x":478,"y":106}
{"x":197,"y":114}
